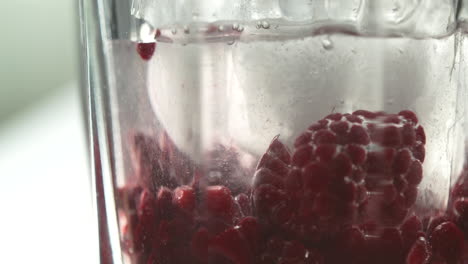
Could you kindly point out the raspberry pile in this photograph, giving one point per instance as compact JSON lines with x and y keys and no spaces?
{"x":344,"y":194}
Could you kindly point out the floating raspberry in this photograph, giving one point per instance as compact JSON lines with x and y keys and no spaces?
{"x":345,"y":169}
{"x":146,"y":50}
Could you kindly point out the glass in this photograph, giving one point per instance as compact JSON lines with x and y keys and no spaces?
{"x":278,"y":131}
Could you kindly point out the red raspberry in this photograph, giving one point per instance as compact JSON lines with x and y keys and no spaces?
{"x":219,"y":203}
{"x":146,"y":50}
{"x":447,"y":242}
{"x":346,"y":168}
{"x":184,"y":199}
{"x":367,"y":244}
{"x":138,"y":225}
{"x":420,"y":252}
{"x":236,"y":244}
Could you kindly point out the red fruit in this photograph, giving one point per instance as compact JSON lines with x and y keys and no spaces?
{"x":370,"y":243}
{"x":345,"y":169}
{"x":146,"y":50}
{"x":218,"y":202}
{"x":200,"y":243}
{"x":164,"y":204}
{"x":142,"y":235}
{"x":250,"y":230}
{"x":349,"y":246}
{"x":419,"y":253}
{"x":184,"y":198}
{"x":232,"y":245}
{"x":447,"y":241}
{"x":411,"y":230}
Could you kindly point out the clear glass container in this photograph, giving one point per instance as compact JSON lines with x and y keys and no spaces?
{"x":278,"y":131}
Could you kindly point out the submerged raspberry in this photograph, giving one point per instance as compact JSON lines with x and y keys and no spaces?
{"x":367,"y":244}
{"x":420,"y":252}
{"x":447,"y":242}
{"x":344,"y":169}
{"x":342,"y":196}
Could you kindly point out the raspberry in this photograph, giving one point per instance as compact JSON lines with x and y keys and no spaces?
{"x":232,"y":245}
{"x":141,"y":235}
{"x":367,"y":244}
{"x":345,"y":169}
{"x":218,"y":203}
{"x":146,"y":50}
{"x":184,"y":199}
{"x":420,"y":252}
{"x":447,"y":242}
{"x":236,"y":244}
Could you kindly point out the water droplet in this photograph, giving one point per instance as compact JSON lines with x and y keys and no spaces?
{"x":259,"y":24}
{"x":265,"y":25}
{"x":186,"y":29}
{"x":174,"y":31}
{"x":327,"y":43}
{"x":221,"y":28}
{"x":235,"y":26}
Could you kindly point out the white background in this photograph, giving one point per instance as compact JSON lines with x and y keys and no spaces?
{"x":45,"y":192}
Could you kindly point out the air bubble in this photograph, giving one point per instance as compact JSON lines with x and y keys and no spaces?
{"x":241,"y":28}
{"x":221,"y":28}
{"x":265,"y":25}
{"x":235,"y":26}
{"x":259,"y":24}
{"x":174,"y":31}
{"x":327,"y":43}
{"x":231,"y":42}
